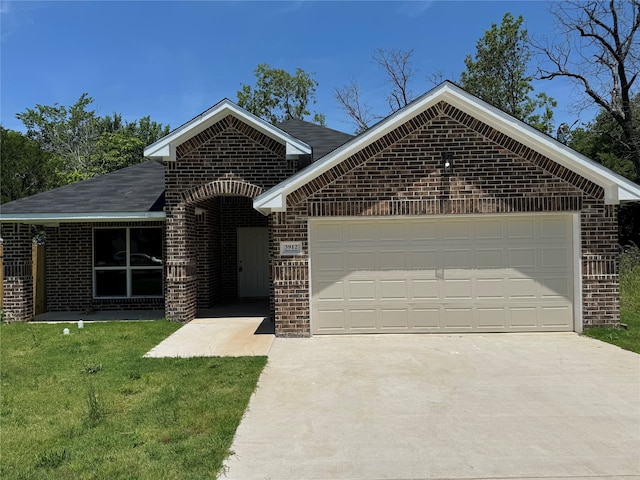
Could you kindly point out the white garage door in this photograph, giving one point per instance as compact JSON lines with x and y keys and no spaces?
{"x":468,"y":274}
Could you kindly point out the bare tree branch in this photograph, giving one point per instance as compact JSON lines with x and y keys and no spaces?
{"x":349,"y":98}
{"x":604,"y":31}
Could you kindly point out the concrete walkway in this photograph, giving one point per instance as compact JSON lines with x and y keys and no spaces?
{"x":505,"y":406}
{"x":228,"y":331}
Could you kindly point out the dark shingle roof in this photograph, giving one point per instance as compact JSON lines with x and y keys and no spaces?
{"x":321,"y":139}
{"x":138,"y":188}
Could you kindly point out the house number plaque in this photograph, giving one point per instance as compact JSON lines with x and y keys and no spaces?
{"x":290,"y":248}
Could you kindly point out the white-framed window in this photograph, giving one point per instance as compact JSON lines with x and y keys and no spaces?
{"x":127,"y":262}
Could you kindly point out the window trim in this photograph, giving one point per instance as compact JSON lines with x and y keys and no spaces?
{"x":128,"y":268}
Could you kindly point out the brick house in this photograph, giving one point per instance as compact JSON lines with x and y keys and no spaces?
{"x":447,"y":216}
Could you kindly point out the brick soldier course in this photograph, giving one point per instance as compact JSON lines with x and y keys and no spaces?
{"x":218,"y":167}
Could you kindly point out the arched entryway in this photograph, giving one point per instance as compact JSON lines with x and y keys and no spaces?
{"x":217,"y":249}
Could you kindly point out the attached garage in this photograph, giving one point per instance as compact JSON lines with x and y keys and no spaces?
{"x":448,"y":216}
{"x":508,"y":273}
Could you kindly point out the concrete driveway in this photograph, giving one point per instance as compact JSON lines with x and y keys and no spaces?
{"x":505,"y":406}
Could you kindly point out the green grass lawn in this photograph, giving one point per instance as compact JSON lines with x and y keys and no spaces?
{"x":628,"y":338}
{"x":88,"y":406}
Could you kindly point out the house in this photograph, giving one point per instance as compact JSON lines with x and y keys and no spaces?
{"x":447,"y":216}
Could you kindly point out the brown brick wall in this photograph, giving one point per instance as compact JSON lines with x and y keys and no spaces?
{"x":226,"y":161}
{"x":69,"y":270}
{"x":401,"y":174}
{"x":17,"y":302}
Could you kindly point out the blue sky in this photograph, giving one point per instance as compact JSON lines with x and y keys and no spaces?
{"x":172,"y":60}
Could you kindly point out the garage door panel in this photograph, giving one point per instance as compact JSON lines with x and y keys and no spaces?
{"x":331,"y":319}
{"x":455,"y":230}
{"x":522,"y":288}
{"x":360,"y":260}
{"x":425,"y":260}
{"x":394,"y":318}
{"x":555,"y":228}
{"x":555,"y":288}
{"x":361,"y":232}
{"x":492,"y":317}
{"x":487,"y":258}
{"x":425,"y":289}
{"x":422,"y":231}
{"x":329,"y":290}
{"x":521,"y":229}
{"x":553,"y":316}
{"x":489,"y":230}
{"x":427,"y":318}
{"x":331,"y":261}
{"x":522,"y":257}
{"x":484,"y":273}
{"x":458,"y":288}
{"x":391,"y":260}
{"x":361,"y":290}
{"x":490,"y":288}
{"x":523,"y":317}
{"x":362,"y":319}
{"x":456,"y":258}
{"x":458,"y":318}
{"x":556,"y":257}
{"x":394,"y":290}
{"x":391,"y":232}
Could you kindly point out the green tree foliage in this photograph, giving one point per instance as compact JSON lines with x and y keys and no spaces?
{"x":25,"y":168}
{"x":599,"y":52}
{"x":603,"y":141}
{"x":498,"y":74}
{"x":85,"y":143}
{"x":278,"y":96}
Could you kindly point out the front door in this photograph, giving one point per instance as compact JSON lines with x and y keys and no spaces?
{"x":253,"y":262}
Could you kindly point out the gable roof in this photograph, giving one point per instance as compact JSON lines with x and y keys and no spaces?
{"x":616,"y":188}
{"x":165,"y":148}
{"x":131,"y":193}
{"x":321,"y":139}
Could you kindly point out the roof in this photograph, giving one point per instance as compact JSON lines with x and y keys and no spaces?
{"x":616,"y":188}
{"x":165,"y":148}
{"x":135,"y":192}
{"x":322,"y":140}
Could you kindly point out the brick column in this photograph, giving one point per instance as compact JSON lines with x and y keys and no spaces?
{"x":181,"y":269}
{"x":17,"y":303}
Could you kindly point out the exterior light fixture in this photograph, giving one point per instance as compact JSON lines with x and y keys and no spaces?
{"x":447,"y":162}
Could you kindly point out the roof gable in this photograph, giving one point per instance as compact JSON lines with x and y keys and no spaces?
{"x":616,"y":188}
{"x":165,"y":148}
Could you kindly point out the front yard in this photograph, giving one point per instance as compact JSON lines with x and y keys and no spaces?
{"x":87,"y":405}
{"x":629,"y":337}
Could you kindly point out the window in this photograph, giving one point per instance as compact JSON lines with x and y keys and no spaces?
{"x":127,"y":262}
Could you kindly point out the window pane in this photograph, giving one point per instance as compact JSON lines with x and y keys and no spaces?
{"x":146,"y":282}
{"x":111,"y":283}
{"x":146,"y":246}
{"x":110,"y":247}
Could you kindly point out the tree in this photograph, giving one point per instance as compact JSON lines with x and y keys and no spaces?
{"x":86,"y":144}
{"x":601,"y":141}
{"x":278,"y":96}
{"x":399,"y":71}
{"x":69,"y":133}
{"x":600,"y":54}
{"x":498,"y":74}
{"x":26,"y":168}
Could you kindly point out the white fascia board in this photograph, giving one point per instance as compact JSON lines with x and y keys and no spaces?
{"x":294,"y":182}
{"x":164,"y":149}
{"x":616,"y":187}
{"x":612,"y":183}
{"x":274,"y":203}
{"x":82,"y":217}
